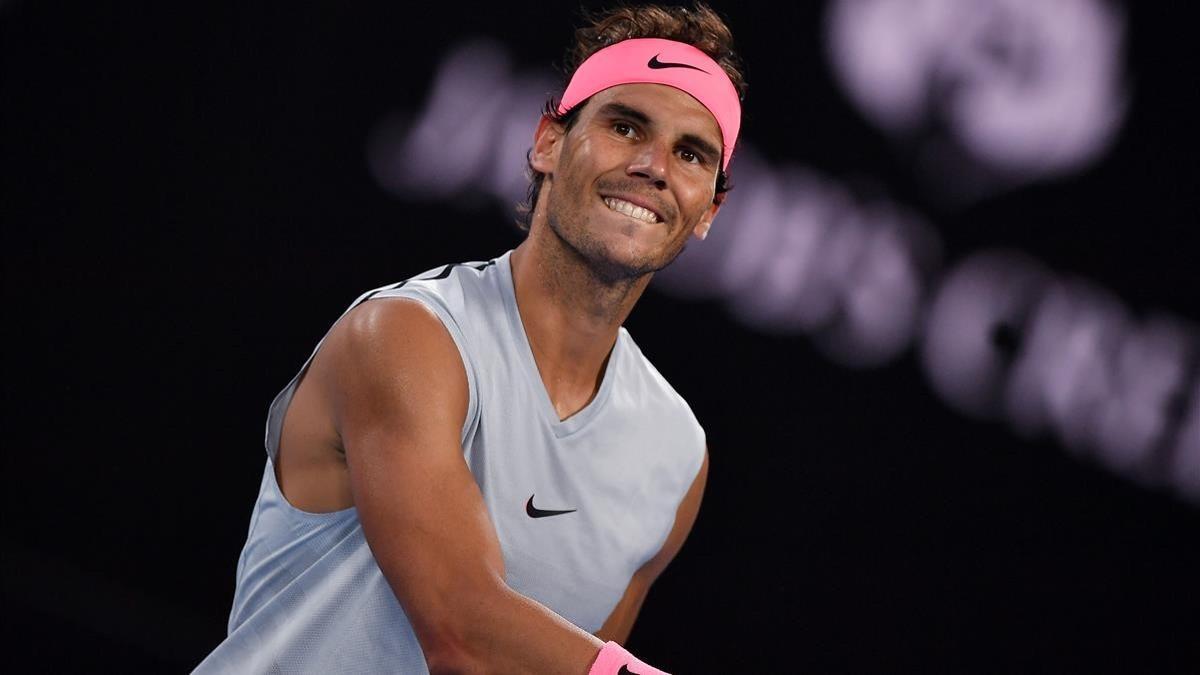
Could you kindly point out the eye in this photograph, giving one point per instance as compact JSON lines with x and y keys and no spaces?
{"x":693,"y":157}
{"x":624,"y":129}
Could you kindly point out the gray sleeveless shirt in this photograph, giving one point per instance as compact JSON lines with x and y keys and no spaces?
{"x":310,"y":596}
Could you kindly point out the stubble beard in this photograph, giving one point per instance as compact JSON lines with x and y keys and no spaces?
{"x":576,"y":236}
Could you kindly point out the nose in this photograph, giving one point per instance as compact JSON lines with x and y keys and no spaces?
{"x":650,"y":161}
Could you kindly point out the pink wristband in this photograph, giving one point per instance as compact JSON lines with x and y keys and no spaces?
{"x":614,"y":660}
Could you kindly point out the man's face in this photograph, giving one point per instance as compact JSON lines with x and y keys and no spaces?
{"x":633,"y":179}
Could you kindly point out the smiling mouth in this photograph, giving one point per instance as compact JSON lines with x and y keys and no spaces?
{"x":632,"y":210}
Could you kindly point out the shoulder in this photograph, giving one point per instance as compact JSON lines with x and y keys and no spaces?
{"x":459,"y":293}
{"x":452,"y":280}
{"x":383,"y":321}
{"x":388,"y":328}
{"x":391,"y":349}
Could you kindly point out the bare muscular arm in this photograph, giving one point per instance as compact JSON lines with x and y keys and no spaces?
{"x":399,"y":395}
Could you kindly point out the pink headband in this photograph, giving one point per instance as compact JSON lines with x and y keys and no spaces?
{"x":657,"y":61}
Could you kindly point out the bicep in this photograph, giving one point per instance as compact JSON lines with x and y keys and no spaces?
{"x":399,"y":397}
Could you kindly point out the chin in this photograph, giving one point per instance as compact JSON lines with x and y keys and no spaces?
{"x":614,"y":258}
{"x":626,"y":257}
{"x":615,"y":254}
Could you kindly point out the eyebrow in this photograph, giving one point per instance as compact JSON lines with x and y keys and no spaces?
{"x":622,"y":110}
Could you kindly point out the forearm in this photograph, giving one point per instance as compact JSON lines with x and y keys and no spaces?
{"x":501,"y":632}
{"x":620,"y":622}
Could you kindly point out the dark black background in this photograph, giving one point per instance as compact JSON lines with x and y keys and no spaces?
{"x":186,"y":208}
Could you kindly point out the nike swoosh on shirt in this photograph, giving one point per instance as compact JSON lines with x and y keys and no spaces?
{"x":656,"y":64}
{"x":535,"y":512}
{"x":625,"y":671}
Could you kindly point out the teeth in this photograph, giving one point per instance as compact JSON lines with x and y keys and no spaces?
{"x":631,"y":210}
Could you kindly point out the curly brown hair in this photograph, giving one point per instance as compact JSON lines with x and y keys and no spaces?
{"x":698,"y":26}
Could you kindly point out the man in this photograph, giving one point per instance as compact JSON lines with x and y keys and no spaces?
{"x":477,"y":470}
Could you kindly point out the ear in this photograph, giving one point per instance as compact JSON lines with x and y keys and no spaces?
{"x":702,"y":227}
{"x":547,"y":141}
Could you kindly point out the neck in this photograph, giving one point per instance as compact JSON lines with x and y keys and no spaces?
{"x":571,"y":316}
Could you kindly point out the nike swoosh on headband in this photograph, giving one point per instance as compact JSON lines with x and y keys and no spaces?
{"x":656,"y":64}
{"x":639,"y":61}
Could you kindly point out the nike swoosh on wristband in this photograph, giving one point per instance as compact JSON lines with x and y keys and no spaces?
{"x":535,"y":512}
{"x":625,"y":671}
{"x":656,"y":65}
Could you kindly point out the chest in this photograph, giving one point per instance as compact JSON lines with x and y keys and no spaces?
{"x":576,"y":514}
